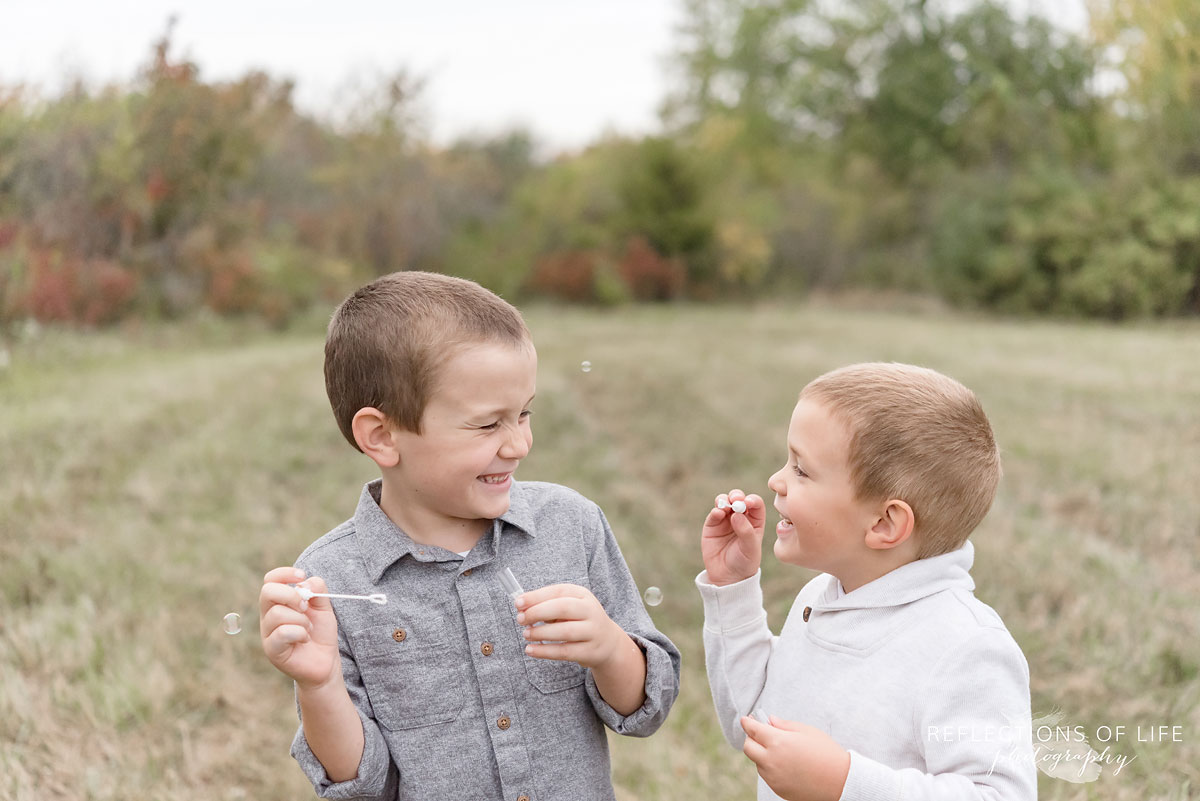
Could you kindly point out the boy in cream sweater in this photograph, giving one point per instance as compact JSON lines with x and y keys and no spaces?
{"x":889,"y":679}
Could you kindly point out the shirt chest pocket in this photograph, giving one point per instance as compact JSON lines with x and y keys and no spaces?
{"x":410,"y":679}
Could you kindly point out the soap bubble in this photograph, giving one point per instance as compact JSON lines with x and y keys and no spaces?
{"x":586,"y":367}
{"x":233,"y":623}
{"x":652,"y":596}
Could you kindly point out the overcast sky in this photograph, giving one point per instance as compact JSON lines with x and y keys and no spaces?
{"x":568,"y":70}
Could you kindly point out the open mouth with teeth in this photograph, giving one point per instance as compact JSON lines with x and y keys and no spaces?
{"x":785,"y":525}
{"x":496,"y":479}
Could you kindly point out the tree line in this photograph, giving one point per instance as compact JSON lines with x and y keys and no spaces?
{"x":960,"y":150}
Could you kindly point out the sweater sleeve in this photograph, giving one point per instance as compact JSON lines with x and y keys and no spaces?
{"x":973,"y":722}
{"x":737,"y":648}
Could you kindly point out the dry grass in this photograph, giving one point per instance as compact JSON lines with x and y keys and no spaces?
{"x":149,"y":479}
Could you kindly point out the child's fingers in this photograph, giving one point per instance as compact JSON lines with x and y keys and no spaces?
{"x":787,"y":725}
{"x":280,"y":615}
{"x":274,"y":593}
{"x":743,"y":526}
{"x":284,"y":575}
{"x":756,"y":509}
{"x":722,"y":499}
{"x":751,"y":726}
{"x":280,"y":641}
{"x":714,"y":517}
{"x":554,"y":609}
{"x":564,"y":632}
{"x":316,"y":584}
{"x":533,"y":597}
{"x":736,"y":502}
{"x":752,"y":748}
{"x":762,"y":733}
{"x":557,"y":651}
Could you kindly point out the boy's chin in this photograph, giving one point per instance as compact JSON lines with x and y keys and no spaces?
{"x":785,"y":553}
{"x":493,"y":507}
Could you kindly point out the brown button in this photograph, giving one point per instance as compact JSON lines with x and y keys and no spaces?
{"x":486,"y":648}
{"x":522,"y":798}
{"x":399,"y":634}
{"x":807,"y":612}
{"x":467,"y":572}
{"x":503,"y":723}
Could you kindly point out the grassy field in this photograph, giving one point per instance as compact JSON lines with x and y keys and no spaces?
{"x":150,"y":477}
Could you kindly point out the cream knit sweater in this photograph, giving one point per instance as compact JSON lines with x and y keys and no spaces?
{"x":920,"y":681}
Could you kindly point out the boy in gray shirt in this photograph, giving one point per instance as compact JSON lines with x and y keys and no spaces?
{"x":889,"y":679}
{"x":448,"y":691}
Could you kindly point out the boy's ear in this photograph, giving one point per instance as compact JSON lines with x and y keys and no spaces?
{"x":375,"y":437}
{"x":893,"y":527}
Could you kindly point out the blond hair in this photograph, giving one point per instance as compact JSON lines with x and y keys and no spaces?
{"x":918,"y":436}
{"x":387,"y":341}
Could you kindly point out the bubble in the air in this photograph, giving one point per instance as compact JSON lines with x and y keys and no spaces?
{"x":233,"y":623}
{"x":652,"y":596}
{"x":586,"y":367}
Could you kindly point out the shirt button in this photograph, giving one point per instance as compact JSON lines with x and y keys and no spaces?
{"x":399,"y":634}
{"x":522,"y":798}
{"x":467,"y":572}
{"x":486,"y":648}
{"x":807,"y":612}
{"x":503,"y":723}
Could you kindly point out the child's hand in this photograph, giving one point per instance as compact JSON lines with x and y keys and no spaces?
{"x":797,"y":761}
{"x":731,"y":542}
{"x":299,"y":637}
{"x":574,"y":620}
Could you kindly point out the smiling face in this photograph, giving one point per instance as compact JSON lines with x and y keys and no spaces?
{"x":455,"y":476}
{"x":824,"y":526}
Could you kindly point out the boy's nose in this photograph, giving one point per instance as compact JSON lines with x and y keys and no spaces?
{"x":776,"y":482}
{"x":517,"y":444}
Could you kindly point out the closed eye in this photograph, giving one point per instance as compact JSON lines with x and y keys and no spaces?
{"x":525,"y":414}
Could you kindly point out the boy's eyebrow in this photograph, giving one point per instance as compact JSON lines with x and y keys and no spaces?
{"x":495,"y":411}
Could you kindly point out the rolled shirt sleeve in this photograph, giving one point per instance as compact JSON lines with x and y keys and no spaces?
{"x":376,"y":778}
{"x":614,"y":587}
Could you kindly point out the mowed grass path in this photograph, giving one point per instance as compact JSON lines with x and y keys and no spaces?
{"x":150,"y":478}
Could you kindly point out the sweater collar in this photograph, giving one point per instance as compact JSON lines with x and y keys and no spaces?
{"x":905,"y":584}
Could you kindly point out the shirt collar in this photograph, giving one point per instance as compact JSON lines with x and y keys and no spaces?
{"x":519,"y":514}
{"x":382,"y":543}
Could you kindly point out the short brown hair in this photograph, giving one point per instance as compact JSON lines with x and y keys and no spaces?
{"x":918,"y":436}
{"x":387,"y":341}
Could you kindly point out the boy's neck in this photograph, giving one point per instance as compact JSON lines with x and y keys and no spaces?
{"x":425,"y":528}
{"x":877,"y":565}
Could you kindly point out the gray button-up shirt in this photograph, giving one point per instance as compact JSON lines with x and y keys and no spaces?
{"x":451,"y":706}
